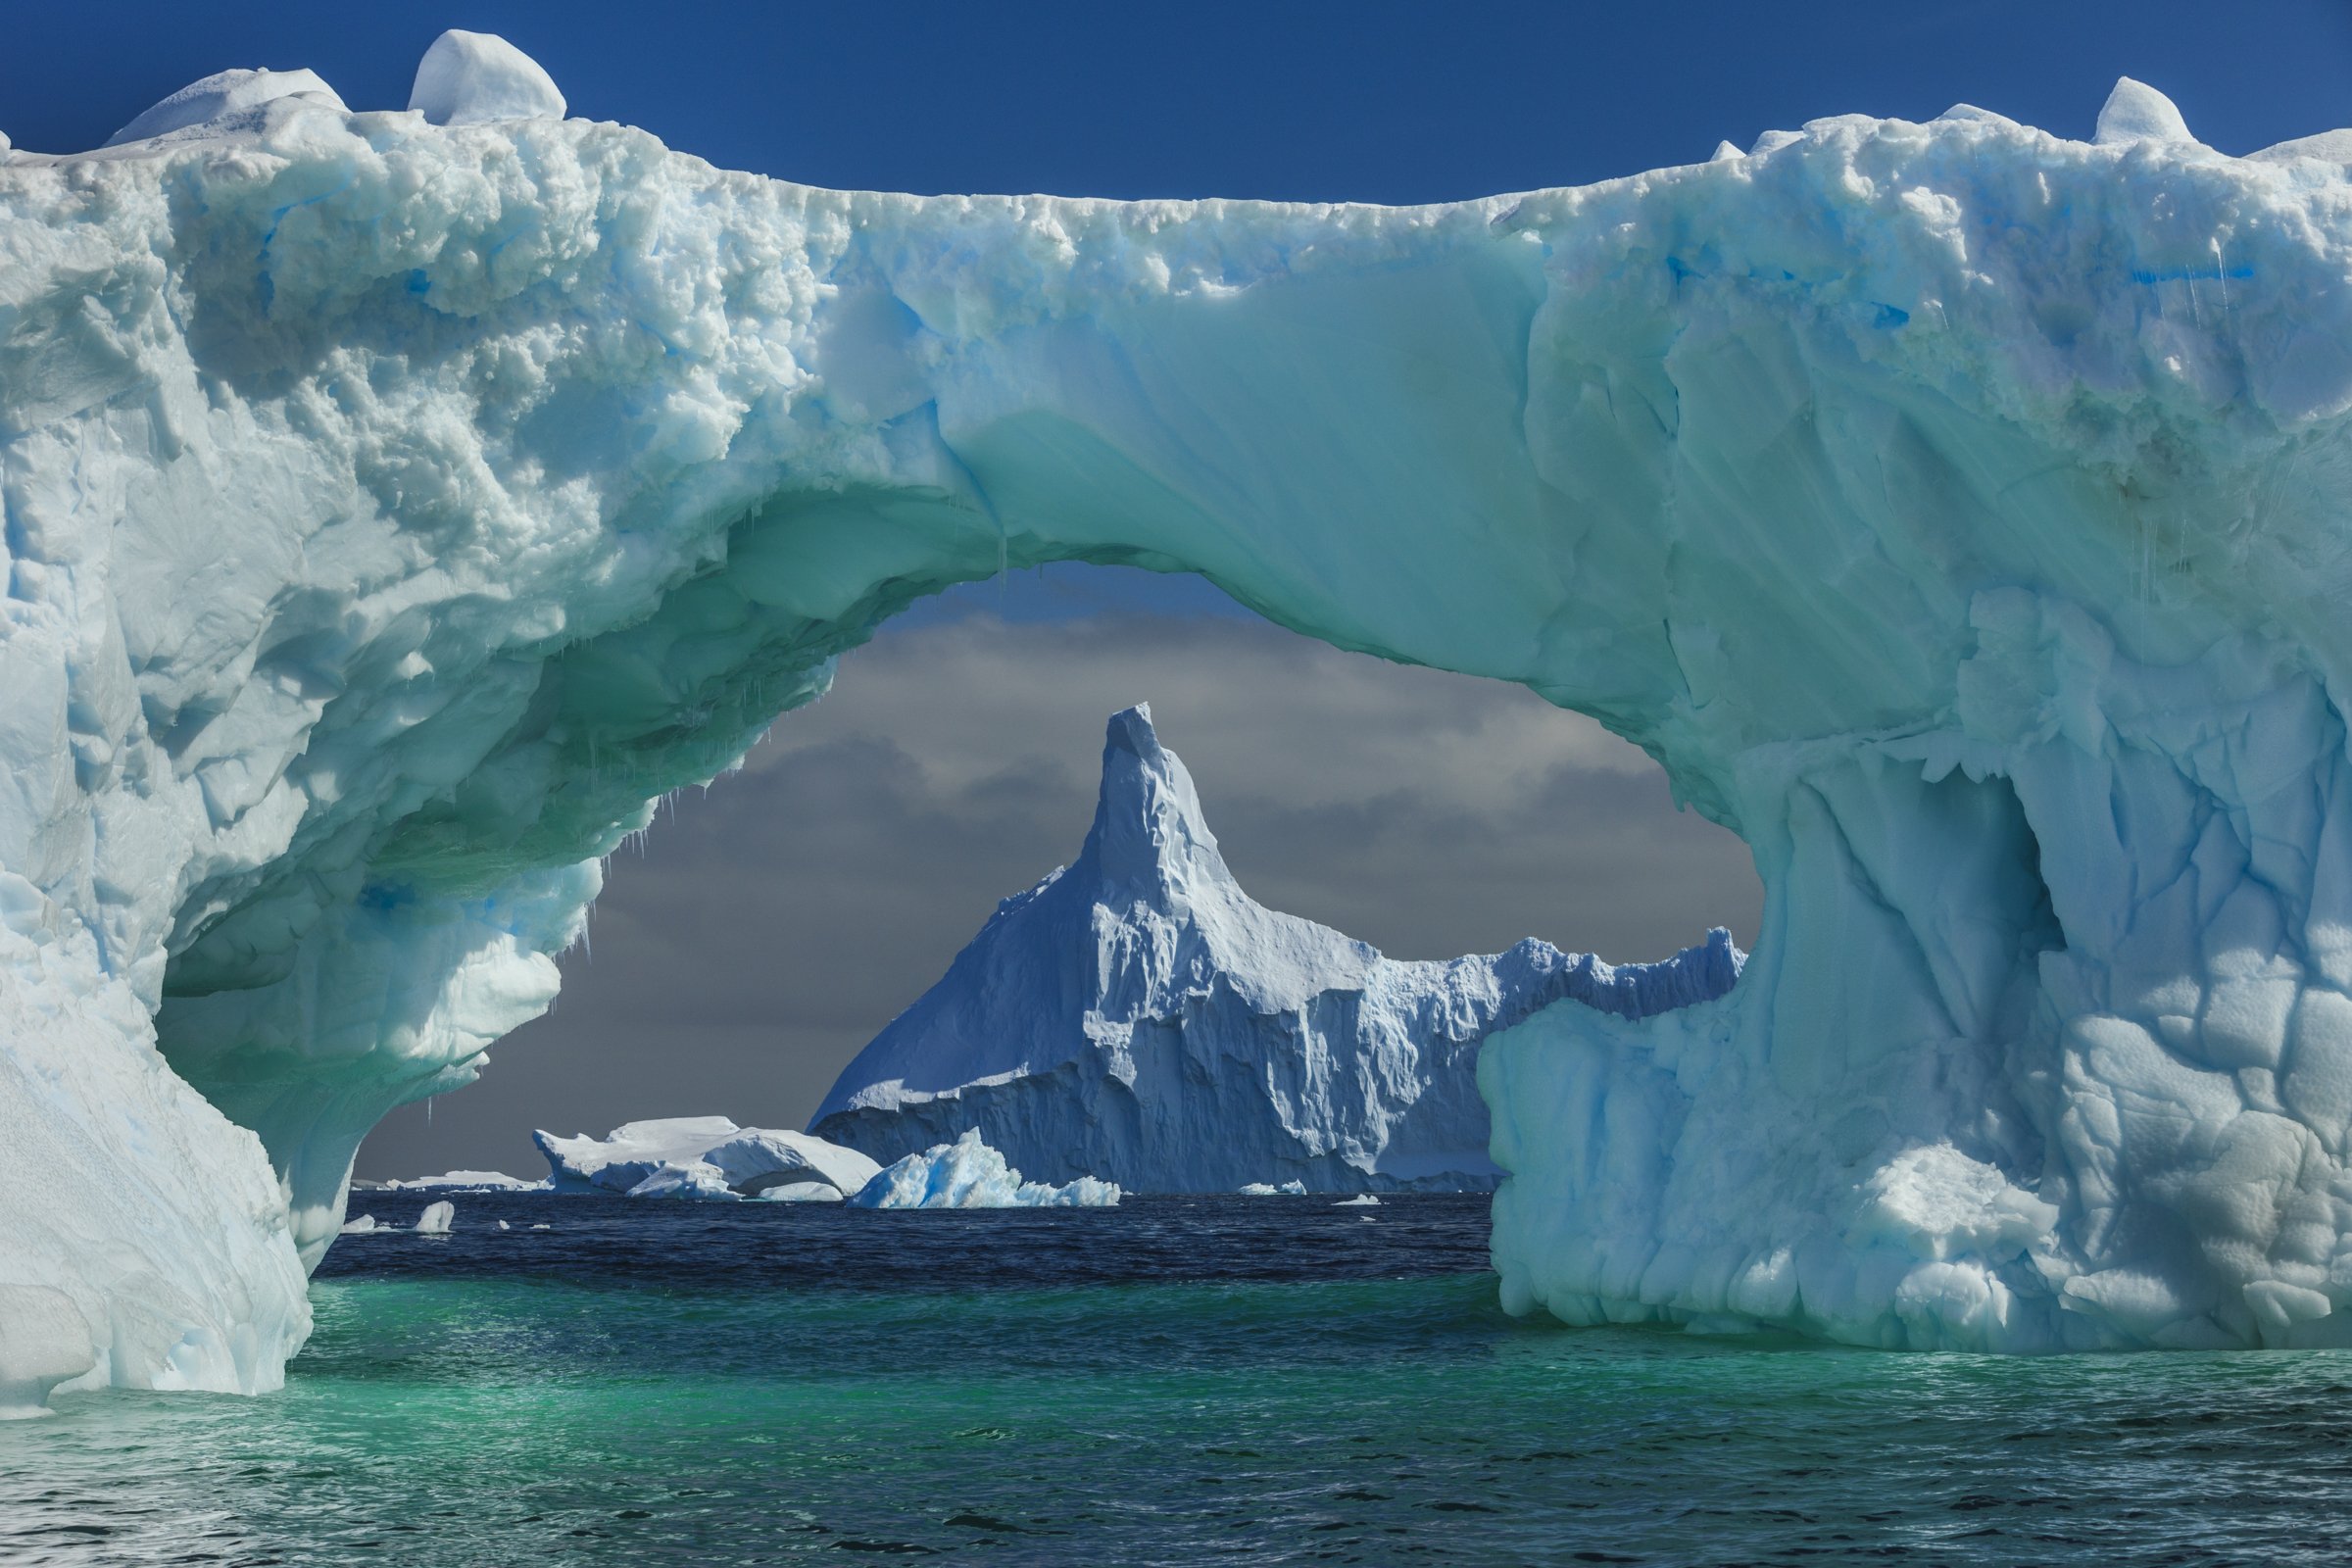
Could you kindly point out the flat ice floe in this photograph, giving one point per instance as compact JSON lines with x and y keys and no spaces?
{"x":394,"y":512}
{"x":706,"y":1158}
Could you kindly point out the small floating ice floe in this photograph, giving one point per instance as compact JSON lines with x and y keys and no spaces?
{"x":1269,"y":1190}
{"x":1359,"y":1200}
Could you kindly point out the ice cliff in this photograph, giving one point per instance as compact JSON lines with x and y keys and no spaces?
{"x":392,"y":511}
{"x":1136,"y":1016}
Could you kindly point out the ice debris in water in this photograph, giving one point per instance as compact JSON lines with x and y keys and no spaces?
{"x":436,"y":1218}
{"x":706,"y":1158}
{"x":1143,"y":977}
{"x":968,"y":1174}
{"x":470,"y":78}
{"x":1359,"y":1200}
{"x":1269,"y":1190}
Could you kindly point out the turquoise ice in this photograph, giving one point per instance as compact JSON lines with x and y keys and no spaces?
{"x":393,"y":512}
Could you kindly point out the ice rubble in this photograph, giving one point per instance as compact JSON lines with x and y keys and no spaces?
{"x":1136,"y":1016}
{"x":393,"y":512}
{"x":706,"y":1157}
{"x":968,"y":1174}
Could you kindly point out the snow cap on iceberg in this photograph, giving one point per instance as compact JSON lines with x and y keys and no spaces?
{"x":468,"y":78}
{"x":2137,"y":112}
{"x":224,"y":93}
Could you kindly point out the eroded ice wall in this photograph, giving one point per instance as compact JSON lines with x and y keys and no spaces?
{"x":393,"y":511}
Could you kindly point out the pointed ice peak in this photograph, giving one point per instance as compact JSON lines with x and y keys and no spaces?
{"x":1726,"y":152}
{"x":2137,"y":112}
{"x":1148,"y":830}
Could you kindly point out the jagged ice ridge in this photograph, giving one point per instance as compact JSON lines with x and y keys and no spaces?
{"x":1136,"y":1016}
{"x":393,"y":512}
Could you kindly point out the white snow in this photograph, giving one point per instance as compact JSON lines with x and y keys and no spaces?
{"x":436,"y":1218}
{"x":968,"y":1174}
{"x":480,"y":1181}
{"x":1136,"y":1016}
{"x":703,"y":1157}
{"x":470,"y":78}
{"x":394,"y":513}
{"x":2137,"y":112}
{"x":227,"y":102}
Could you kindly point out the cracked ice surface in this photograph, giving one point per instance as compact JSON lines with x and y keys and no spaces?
{"x":392,"y":512}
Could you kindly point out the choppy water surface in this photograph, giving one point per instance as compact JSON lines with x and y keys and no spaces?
{"x":1174,"y":1380}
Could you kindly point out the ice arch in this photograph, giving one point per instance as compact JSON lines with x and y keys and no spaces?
{"x":392,"y":511}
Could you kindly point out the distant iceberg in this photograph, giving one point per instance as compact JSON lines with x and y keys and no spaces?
{"x":1136,"y":1016}
{"x":1269,"y":1190}
{"x":705,"y":1158}
{"x":968,"y":1174}
{"x":467,"y":1181}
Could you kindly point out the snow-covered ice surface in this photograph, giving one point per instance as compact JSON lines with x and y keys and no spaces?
{"x":1136,"y":1016}
{"x":706,"y":1157}
{"x":968,"y":1174}
{"x":392,"y":512}
{"x":477,"y":1181}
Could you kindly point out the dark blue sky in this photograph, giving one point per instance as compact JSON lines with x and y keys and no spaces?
{"x":1369,"y":100}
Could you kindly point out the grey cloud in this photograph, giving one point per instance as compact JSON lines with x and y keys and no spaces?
{"x":774,"y":922}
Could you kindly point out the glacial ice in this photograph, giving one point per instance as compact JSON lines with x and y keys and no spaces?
{"x":437,"y":1218}
{"x":703,"y":1157}
{"x":392,"y":514}
{"x":1136,"y":1016}
{"x":474,"y":1181}
{"x":1289,"y":1189}
{"x":968,"y":1174}
{"x":470,"y":78}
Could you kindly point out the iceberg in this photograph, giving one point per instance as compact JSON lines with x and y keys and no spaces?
{"x":437,"y":1218}
{"x":705,"y":1158}
{"x":968,"y":1174}
{"x":467,"y":1181}
{"x":1136,"y":1016}
{"x":1289,"y":1189}
{"x":392,"y":514}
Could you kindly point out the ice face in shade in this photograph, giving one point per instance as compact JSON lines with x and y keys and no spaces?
{"x":968,"y":1174}
{"x":395,"y":513}
{"x":1138,"y":1017}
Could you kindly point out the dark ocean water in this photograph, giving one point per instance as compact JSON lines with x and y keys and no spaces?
{"x":1174,"y":1380}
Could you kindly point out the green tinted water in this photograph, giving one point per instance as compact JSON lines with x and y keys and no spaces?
{"x":499,"y":1400}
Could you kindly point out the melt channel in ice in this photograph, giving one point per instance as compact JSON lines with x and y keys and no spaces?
{"x":968,"y":1174}
{"x":706,"y":1157}
{"x":1138,"y":1017}
{"x":391,"y":513}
